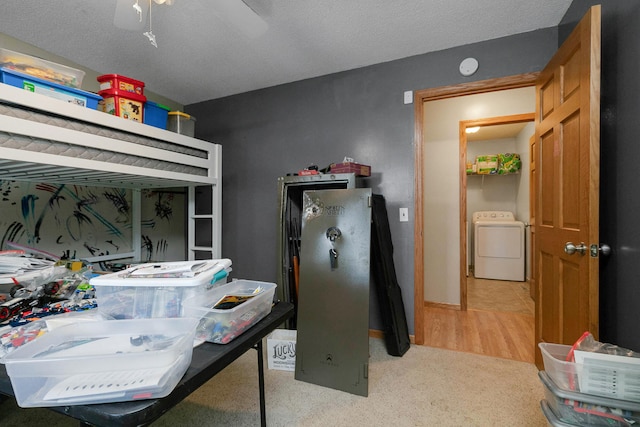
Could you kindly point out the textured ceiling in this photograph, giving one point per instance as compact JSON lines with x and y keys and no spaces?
{"x":201,"y":57}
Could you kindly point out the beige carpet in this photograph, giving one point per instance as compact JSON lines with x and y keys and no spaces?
{"x":425,"y":387}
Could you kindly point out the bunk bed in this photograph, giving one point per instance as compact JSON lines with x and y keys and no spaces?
{"x":43,"y":139}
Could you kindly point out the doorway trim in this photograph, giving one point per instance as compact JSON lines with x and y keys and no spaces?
{"x":464,"y":235}
{"x":420,"y":97}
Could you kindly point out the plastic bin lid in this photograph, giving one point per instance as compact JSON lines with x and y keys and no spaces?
{"x":181,"y":114}
{"x":119,"y":77}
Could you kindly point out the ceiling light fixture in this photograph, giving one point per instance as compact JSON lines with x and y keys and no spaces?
{"x":473,"y":129}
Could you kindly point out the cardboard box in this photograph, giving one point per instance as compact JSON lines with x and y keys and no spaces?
{"x":349,"y":167}
{"x":281,"y":350}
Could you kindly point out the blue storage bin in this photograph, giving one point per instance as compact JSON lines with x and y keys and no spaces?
{"x":51,"y":89}
{"x":156,"y":114}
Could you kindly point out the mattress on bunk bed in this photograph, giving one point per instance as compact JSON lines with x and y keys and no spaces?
{"x":39,"y":145}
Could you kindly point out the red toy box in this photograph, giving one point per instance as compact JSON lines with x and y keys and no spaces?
{"x":127,"y":105}
{"x":121,"y":84}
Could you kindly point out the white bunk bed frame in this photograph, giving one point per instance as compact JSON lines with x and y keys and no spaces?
{"x":43,"y":139}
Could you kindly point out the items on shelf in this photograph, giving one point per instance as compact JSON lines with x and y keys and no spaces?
{"x":495,"y":164}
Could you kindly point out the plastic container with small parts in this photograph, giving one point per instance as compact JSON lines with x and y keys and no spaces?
{"x":155,"y":290}
{"x":228,"y":310}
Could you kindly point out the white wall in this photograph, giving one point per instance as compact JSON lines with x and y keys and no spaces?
{"x":441,"y":182}
{"x":522,"y":201}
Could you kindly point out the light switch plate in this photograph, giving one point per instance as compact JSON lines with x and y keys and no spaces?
{"x":404,"y":214}
{"x":408,"y":97}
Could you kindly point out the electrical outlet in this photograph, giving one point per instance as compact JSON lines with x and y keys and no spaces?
{"x":404,"y":214}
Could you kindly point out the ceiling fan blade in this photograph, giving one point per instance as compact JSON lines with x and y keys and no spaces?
{"x":128,"y":18}
{"x":240,"y":16}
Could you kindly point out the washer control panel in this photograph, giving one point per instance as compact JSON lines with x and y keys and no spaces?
{"x":493,"y":216}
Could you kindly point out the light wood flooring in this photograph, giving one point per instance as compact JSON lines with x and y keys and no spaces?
{"x":499,"y":321}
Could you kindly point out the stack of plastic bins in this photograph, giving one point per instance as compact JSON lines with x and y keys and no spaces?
{"x":565,"y":404}
{"x":122,"y":96}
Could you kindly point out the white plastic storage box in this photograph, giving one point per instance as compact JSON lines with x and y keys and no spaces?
{"x":228,"y":310}
{"x":101,"y":362}
{"x":281,"y":350}
{"x":157,"y":289}
{"x":593,"y":373}
{"x":582,"y":409}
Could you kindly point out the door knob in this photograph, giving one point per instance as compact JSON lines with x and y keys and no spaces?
{"x":570,"y":248}
{"x":603,"y":249}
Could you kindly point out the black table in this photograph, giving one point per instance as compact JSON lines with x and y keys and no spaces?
{"x":208,"y":359}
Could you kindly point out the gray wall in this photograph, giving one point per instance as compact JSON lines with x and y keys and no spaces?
{"x":620,"y":151}
{"x":359,"y":113}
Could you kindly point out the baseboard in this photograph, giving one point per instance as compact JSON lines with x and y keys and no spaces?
{"x":374,"y":333}
{"x":429,"y":304}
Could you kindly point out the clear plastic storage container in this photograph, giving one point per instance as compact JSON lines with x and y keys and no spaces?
{"x":157,"y":289}
{"x":228,"y":310}
{"x":181,"y":123}
{"x":101,"y":362}
{"x":582,"y":409}
{"x":42,"y":69}
{"x":594,"y":373}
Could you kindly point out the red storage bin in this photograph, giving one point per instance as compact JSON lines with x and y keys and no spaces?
{"x":123,"y":104}
{"x":121,"y":84}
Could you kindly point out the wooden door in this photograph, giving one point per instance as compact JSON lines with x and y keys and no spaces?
{"x":533,"y":191}
{"x":568,"y":169}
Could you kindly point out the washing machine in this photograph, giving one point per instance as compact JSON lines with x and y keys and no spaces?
{"x":499,"y":247}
